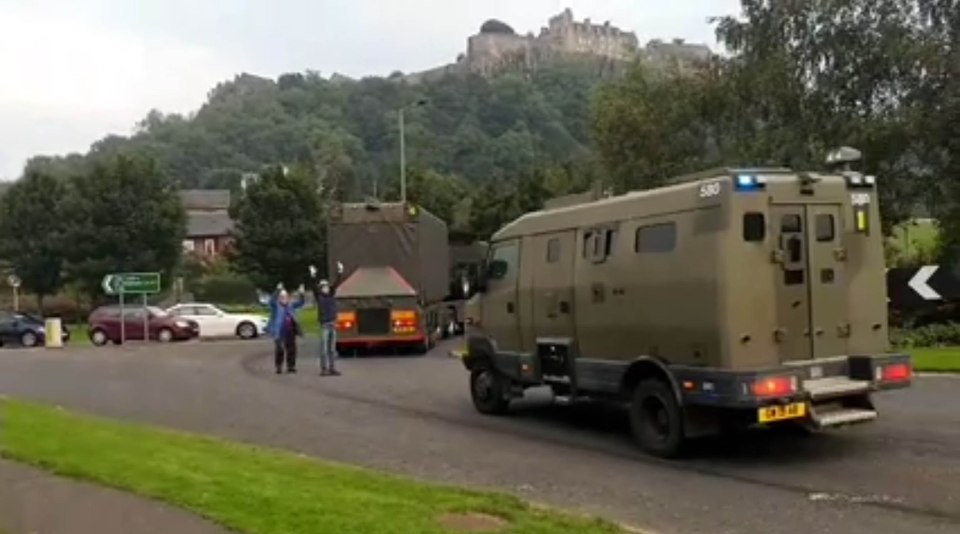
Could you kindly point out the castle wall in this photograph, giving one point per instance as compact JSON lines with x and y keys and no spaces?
{"x":487,"y":51}
{"x":492,"y":50}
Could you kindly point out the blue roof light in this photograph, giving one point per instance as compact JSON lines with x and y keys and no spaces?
{"x":748,"y":182}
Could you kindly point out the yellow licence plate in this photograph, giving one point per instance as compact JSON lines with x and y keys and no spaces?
{"x":769,"y":414}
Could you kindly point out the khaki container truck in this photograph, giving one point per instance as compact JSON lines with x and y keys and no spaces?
{"x":729,"y":298}
{"x":396,"y":275}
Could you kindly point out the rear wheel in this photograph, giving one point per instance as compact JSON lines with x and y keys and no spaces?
{"x":246,"y":330}
{"x":656,"y":419}
{"x":488,"y":389}
{"x":98,"y":337}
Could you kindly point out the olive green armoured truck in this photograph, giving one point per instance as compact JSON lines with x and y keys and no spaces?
{"x":730,"y":297}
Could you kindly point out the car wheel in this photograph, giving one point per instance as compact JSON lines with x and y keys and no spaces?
{"x":488,"y":390}
{"x":29,"y":339}
{"x":656,"y":419}
{"x":165,"y":335}
{"x":247,"y":330}
{"x":98,"y":337}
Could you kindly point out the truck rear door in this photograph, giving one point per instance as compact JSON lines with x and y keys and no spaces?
{"x":812,"y":296}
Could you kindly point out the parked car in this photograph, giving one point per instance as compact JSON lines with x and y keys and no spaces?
{"x":104,"y":323}
{"x":215,"y":322}
{"x":25,"y":330}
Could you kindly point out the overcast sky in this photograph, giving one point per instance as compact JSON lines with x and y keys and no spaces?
{"x":72,"y":71}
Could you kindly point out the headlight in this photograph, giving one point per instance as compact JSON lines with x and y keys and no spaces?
{"x":40,"y":330}
{"x":183,"y":324}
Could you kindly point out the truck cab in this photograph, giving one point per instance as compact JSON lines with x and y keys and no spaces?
{"x":730,"y":297}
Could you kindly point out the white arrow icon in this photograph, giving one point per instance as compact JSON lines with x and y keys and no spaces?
{"x":919,"y":282}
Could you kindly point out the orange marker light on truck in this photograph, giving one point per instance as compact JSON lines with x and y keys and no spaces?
{"x":403,"y":321}
{"x":774,"y":386}
{"x":346,"y":320}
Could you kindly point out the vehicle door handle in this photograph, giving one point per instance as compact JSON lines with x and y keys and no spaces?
{"x":509,"y":307}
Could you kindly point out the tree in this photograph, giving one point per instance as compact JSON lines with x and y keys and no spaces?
{"x":31,"y":230}
{"x":279,"y":228}
{"x":439,"y":194}
{"x":649,"y":128}
{"x":124,"y":216}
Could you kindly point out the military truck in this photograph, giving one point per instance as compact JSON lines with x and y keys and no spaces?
{"x":394,"y":292}
{"x":733,"y":297}
{"x":467,"y":258}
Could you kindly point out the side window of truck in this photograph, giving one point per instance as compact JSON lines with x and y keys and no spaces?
{"x":508,"y":254}
{"x":599,"y":244}
{"x":553,"y":250}
{"x":656,"y":238}
{"x":754,"y":227}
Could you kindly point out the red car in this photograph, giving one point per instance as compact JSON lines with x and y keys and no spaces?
{"x":104,"y":325}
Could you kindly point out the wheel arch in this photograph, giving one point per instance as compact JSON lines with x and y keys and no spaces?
{"x":646,"y":367}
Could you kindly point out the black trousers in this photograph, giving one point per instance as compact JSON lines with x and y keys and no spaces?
{"x":285,"y":346}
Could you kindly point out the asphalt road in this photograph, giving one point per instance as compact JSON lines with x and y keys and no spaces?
{"x":413,"y":415}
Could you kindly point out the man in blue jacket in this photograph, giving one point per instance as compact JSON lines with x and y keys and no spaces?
{"x":325,"y":294}
{"x":284,"y":328}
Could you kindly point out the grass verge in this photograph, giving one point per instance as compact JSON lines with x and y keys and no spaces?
{"x":249,"y":489}
{"x":936,"y":359}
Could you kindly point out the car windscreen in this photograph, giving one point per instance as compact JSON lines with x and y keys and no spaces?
{"x":157,"y":312}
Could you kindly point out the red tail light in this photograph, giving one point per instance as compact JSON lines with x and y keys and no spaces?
{"x":774,"y":386}
{"x":898,"y":372}
{"x":404,"y":322}
{"x":346,"y":321}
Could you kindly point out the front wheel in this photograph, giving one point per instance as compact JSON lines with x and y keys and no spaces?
{"x":165,"y":335}
{"x":28,"y":339}
{"x":656,"y":419}
{"x":488,"y":389}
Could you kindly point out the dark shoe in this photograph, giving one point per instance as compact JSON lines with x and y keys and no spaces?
{"x":334,"y":372}
{"x":279,"y":370}
{"x":324,"y":372}
{"x":292,"y":370}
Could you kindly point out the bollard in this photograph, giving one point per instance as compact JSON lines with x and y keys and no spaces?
{"x":53,"y":333}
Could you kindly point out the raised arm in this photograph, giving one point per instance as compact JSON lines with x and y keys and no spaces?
{"x":337,"y":278}
{"x":301,"y":299}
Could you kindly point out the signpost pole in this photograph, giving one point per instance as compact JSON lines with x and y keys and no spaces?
{"x":146,"y":321}
{"x":123,"y":321}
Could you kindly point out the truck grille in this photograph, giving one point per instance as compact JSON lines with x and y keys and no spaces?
{"x":373,"y":321}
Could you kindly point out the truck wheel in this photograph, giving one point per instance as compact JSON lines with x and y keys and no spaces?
{"x":656,"y":419}
{"x":488,"y":390}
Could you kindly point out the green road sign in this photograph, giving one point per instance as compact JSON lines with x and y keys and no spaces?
{"x":131,"y":283}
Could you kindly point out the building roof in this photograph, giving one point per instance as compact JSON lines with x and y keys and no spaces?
{"x":205,"y":199}
{"x":208,"y":224}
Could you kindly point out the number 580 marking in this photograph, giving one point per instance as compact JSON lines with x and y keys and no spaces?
{"x":708,"y":190}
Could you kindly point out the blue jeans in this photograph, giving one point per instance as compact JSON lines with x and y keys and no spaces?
{"x":328,"y":345}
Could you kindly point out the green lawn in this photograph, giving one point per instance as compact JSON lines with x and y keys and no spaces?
{"x":253,"y":490}
{"x":307,"y":315}
{"x":937,"y":359}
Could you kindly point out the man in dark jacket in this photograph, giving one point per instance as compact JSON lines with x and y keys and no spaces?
{"x":325,"y":294}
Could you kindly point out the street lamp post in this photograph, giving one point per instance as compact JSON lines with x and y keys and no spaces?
{"x":403,"y":148}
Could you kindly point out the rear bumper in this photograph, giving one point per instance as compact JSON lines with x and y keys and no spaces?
{"x":380,"y":341}
{"x":816,"y":380}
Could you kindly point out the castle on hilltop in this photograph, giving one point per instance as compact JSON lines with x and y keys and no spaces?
{"x":498,"y":47}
